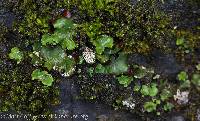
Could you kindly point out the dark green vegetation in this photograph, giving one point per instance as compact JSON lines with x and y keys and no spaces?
{"x":92,"y":46}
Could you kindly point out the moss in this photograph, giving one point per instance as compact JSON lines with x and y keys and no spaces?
{"x":191,"y":38}
{"x":190,"y":45}
{"x":151,"y":24}
{"x":143,"y":25}
{"x":18,"y":92}
{"x":134,"y":29}
{"x":193,"y":3}
{"x":138,"y":47}
{"x":23,"y":94}
{"x":3,"y":31}
{"x":35,"y":19}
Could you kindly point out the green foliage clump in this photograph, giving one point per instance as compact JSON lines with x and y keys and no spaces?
{"x":180,"y":42}
{"x":187,"y":42}
{"x":100,"y":69}
{"x":119,"y":65}
{"x":105,"y":25}
{"x":16,"y":54}
{"x":102,"y":42}
{"x":141,"y":71}
{"x":42,"y":76}
{"x":183,"y":77}
{"x":151,"y":90}
{"x":64,"y":24}
{"x":63,"y":34}
{"x":196,"y":80}
{"x":165,"y":94}
{"x":136,"y":87}
{"x":53,"y":58}
{"x":124,"y":80}
{"x":186,"y":83}
{"x":151,"y":106}
{"x":168,"y":106}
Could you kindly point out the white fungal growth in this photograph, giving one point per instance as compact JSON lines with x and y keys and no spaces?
{"x":181,"y":97}
{"x":129,"y":103}
{"x":89,"y":55}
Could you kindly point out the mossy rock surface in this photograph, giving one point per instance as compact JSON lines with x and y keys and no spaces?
{"x":148,"y":29}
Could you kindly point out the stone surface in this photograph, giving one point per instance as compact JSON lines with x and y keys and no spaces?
{"x":176,"y":118}
{"x":165,"y":64}
{"x":77,"y":110}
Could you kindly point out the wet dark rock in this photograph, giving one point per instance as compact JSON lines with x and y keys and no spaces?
{"x":102,"y":118}
{"x":9,"y":18}
{"x":198,"y":114}
{"x":3,"y":50}
{"x":6,"y":17}
{"x":185,"y":13}
{"x":176,"y":118}
{"x":165,"y":64}
{"x":80,"y":110}
{"x":138,"y":59}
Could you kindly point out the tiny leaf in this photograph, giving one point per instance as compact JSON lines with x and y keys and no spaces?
{"x":63,"y":23}
{"x":119,"y":65}
{"x":182,"y":76}
{"x":125,"y":80}
{"x":150,"y":106}
{"x":144,"y":90}
{"x":16,"y":54}
{"x":102,"y":42}
{"x":153,"y":91}
{"x":180,"y":41}
{"x":42,"y":76}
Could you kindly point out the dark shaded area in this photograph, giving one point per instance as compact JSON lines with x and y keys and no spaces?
{"x":185,"y":13}
{"x":92,"y":111}
{"x":165,"y":64}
